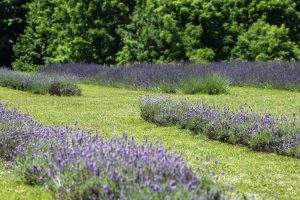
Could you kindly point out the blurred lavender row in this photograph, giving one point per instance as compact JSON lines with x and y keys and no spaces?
{"x":75,"y":71}
{"x":75,"y":164}
{"x":259,"y":132}
{"x":282,"y":75}
{"x":38,"y":83}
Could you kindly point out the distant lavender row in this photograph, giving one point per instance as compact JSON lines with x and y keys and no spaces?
{"x":283,"y":75}
{"x":75,"y":71}
{"x":75,"y":164}
{"x":259,"y":132}
{"x":38,"y":83}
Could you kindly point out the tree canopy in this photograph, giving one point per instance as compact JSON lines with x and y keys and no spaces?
{"x":36,"y":32}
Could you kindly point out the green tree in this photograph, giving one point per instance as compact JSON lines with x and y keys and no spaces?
{"x":265,"y":42}
{"x":162,"y":31}
{"x":278,"y":12}
{"x":91,"y":31}
{"x":31,"y":47}
{"x":72,"y":31}
{"x":130,"y":31}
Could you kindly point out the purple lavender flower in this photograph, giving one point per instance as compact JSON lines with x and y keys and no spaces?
{"x":79,"y":164}
{"x":260,"y":132}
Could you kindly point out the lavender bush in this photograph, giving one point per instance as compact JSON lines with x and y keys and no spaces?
{"x":259,"y":132}
{"x":75,"y":164}
{"x":38,"y":83}
{"x":209,"y":84}
{"x":12,"y":126}
{"x":280,"y":75}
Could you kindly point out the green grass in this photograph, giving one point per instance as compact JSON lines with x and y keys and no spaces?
{"x":12,"y":188}
{"x":115,"y":110}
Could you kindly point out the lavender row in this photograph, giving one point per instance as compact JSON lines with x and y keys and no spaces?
{"x":259,"y":132}
{"x":282,"y":75}
{"x":38,"y":83}
{"x":77,"y":71}
{"x":75,"y":164}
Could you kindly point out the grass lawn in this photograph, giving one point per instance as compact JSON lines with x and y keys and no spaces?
{"x":115,"y":110}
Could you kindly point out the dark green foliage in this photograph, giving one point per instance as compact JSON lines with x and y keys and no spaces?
{"x":283,"y":12}
{"x":265,"y":42}
{"x":12,"y":23}
{"x":208,"y":30}
{"x":31,"y":48}
{"x":134,"y":31}
{"x":72,"y":31}
{"x":161,"y":31}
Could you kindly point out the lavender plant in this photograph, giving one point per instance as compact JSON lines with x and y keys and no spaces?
{"x":75,"y":164}
{"x":12,"y":126}
{"x":280,"y":75}
{"x":75,"y":71}
{"x":38,"y":83}
{"x":259,"y":132}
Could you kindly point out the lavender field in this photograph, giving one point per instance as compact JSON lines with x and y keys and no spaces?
{"x":89,"y":166}
{"x":279,"y":75}
{"x":128,"y":141}
{"x":149,"y":100}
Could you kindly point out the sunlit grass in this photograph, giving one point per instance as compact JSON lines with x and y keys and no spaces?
{"x":11,"y":188}
{"x":114,"y":111}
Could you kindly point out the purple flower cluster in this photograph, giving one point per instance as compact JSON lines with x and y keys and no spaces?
{"x":259,"y":132}
{"x":76,"y":164}
{"x":282,"y":75}
{"x":12,"y":124}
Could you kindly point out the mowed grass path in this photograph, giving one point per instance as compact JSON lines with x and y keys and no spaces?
{"x":115,"y":110}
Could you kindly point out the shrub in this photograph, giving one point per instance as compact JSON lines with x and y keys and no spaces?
{"x":261,"y":141}
{"x":37,"y":84}
{"x":259,"y":132}
{"x":197,"y":124}
{"x":64,"y":89}
{"x":208,"y":84}
{"x":167,"y":87}
{"x":11,"y":79}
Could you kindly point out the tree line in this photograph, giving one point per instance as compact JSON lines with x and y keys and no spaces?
{"x":38,"y":32}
